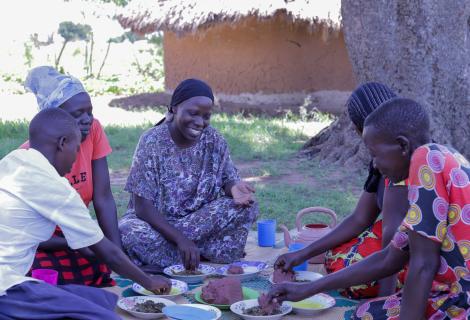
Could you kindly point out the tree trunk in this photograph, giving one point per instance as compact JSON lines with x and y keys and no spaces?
{"x":421,"y":49}
{"x":104,"y":60}
{"x":339,"y":143}
{"x":57,"y":61}
{"x":86,"y":58}
{"x":90,"y":63}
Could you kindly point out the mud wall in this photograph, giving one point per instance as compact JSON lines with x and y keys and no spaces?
{"x":269,"y":56}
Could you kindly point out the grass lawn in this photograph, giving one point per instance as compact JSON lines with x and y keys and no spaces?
{"x":264,"y":149}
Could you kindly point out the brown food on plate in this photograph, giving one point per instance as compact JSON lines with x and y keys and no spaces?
{"x":149,"y":307}
{"x":264,"y":308}
{"x":233,"y":269}
{"x":280,"y":275}
{"x":162,"y":290}
{"x":222,"y":291}
{"x":188,"y":273}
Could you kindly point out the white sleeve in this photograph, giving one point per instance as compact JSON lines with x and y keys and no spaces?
{"x":55,"y":199}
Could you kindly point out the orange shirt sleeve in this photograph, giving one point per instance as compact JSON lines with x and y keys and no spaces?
{"x":101,"y":146}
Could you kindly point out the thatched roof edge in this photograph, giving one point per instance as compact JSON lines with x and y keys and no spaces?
{"x":185,"y":16}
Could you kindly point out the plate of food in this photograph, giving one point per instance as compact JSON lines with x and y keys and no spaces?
{"x":222,"y":293}
{"x":187,"y":311}
{"x":313,"y":305}
{"x":179,"y":272}
{"x":144,"y":307}
{"x":177,"y":288}
{"x":279,"y":276}
{"x":254,"y":309}
{"x":243,"y":270}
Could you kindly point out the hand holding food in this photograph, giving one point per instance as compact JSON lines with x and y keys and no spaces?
{"x":158,"y":285}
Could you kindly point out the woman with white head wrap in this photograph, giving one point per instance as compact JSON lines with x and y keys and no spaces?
{"x":89,"y":176}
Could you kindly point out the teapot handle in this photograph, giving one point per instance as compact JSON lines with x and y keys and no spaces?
{"x":301,"y":213}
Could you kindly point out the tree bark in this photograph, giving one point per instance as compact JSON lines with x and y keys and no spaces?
{"x":421,"y":49}
{"x":57,"y":61}
{"x":104,"y":60}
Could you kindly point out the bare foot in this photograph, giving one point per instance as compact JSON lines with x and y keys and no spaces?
{"x":152,"y":269}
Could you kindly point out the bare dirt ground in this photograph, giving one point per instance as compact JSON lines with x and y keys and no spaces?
{"x":290,"y":176}
{"x":255,"y":104}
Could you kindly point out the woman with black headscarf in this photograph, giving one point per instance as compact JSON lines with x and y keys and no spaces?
{"x":361,"y":233}
{"x":187,"y":199}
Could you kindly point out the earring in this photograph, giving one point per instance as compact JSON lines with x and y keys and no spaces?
{"x":169,"y":117}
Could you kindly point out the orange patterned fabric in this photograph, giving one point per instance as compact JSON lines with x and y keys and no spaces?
{"x":367,"y":243}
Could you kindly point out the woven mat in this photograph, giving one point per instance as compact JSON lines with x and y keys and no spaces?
{"x":341,"y":311}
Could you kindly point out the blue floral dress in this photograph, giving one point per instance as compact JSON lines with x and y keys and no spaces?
{"x":186,"y":186}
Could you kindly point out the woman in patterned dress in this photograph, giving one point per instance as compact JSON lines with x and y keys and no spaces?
{"x":434,"y":237}
{"x":372,"y":224}
{"x":187,"y":200}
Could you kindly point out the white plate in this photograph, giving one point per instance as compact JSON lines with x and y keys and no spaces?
{"x":177,"y":288}
{"x":217,"y":312}
{"x":238,"y":308}
{"x":128,"y":304}
{"x":323,"y":300}
{"x":250,"y":270}
{"x":304,"y":275}
{"x":248,"y":273}
{"x":204,"y":268}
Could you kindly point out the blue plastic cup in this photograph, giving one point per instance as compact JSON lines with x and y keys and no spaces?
{"x":267,"y":233}
{"x":296,"y":246}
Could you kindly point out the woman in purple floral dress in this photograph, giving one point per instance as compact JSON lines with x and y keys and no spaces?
{"x":187,"y":200}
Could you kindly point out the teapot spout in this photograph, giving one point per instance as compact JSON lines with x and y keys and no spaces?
{"x":287,"y":237}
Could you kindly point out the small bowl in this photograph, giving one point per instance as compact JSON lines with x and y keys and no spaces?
{"x":303,"y":276}
{"x":238,"y":308}
{"x":128,"y":304}
{"x":217,"y":312}
{"x":204,"y":268}
{"x":313,"y":305}
{"x":250,"y":269}
{"x":177,"y":288}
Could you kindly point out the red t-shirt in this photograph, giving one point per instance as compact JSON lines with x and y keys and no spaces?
{"x":95,"y":146}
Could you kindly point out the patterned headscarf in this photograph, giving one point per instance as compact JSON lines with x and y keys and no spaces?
{"x":50,"y":87}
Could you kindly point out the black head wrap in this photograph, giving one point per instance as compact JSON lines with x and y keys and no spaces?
{"x":362,"y":102}
{"x":365,"y":99}
{"x":187,"y":89}
{"x":190,"y":88}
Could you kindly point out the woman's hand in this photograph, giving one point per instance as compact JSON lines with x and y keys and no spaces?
{"x":158,"y":285}
{"x":289,"y":291}
{"x":242,"y":194}
{"x":289,"y":260}
{"x":189,"y":253}
{"x":146,"y":211}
